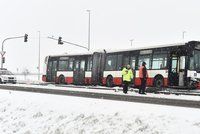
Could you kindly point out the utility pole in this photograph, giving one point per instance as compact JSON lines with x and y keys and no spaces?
{"x":88,"y":29}
{"x":131,"y":42}
{"x":39,"y":56}
{"x":183,"y":35}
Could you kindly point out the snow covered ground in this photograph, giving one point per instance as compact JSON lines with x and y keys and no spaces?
{"x":130,"y":93}
{"x":34,"y":113}
{"x":30,"y":78}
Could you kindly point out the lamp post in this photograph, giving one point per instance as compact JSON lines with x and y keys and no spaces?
{"x":88,"y":29}
{"x":131,"y":41}
{"x":39,"y":56}
{"x":183,"y":35}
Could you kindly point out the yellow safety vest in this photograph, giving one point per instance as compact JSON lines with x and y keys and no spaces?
{"x":127,"y":74}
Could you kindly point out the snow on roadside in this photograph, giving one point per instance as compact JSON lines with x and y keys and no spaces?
{"x":34,"y":113}
{"x":171,"y":96}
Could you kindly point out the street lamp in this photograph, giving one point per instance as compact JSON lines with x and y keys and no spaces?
{"x":131,"y":41}
{"x":88,"y":29}
{"x":183,"y":35}
{"x":38,"y":55}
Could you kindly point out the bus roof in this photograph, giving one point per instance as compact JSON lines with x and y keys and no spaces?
{"x":124,"y":50}
{"x":146,"y":47}
{"x":72,"y":54}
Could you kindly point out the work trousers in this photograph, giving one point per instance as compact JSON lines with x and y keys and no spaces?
{"x":125,"y":86}
{"x":143,"y":85}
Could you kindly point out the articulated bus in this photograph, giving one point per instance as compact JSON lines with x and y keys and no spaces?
{"x":172,"y":65}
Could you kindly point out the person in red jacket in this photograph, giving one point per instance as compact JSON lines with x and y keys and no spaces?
{"x":143,"y":77}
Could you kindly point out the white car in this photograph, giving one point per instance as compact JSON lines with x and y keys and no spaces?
{"x":7,"y":77}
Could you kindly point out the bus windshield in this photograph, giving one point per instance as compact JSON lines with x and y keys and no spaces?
{"x":197,"y":59}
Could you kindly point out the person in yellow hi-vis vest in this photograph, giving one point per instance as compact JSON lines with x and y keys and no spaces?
{"x":127,"y":76}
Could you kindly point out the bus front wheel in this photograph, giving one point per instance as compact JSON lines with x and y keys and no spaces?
{"x":62,"y":80}
{"x":158,"y":82}
{"x":109,"y":81}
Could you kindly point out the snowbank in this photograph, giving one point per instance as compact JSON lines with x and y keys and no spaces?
{"x":34,"y":113}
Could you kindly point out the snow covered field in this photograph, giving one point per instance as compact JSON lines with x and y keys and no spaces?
{"x":34,"y":113}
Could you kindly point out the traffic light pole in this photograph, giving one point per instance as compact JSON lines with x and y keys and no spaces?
{"x":69,"y":43}
{"x":2,"y":47}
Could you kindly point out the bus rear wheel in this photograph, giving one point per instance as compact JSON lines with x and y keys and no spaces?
{"x":109,"y":81}
{"x":158,"y":82}
{"x":61,"y":80}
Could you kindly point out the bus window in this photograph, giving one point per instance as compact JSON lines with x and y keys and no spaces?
{"x":182,"y":62}
{"x":70,"y":65}
{"x":111,"y":62}
{"x":159,"y":61}
{"x":89,"y":64}
{"x":132,"y":62}
{"x":174,"y":64}
{"x":82,"y":66}
{"x":197,"y":59}
{"x":49,"y":66}
{"x":46,"y":59}
{"x":76,"y":65}
{"x":119,"y":62}
{"x":62,"y":65}
{"x":144,"y":58}
{"x":191,"y":63}
{"x":125,"y":60}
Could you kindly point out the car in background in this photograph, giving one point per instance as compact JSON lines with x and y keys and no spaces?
{"x":7,"y":77}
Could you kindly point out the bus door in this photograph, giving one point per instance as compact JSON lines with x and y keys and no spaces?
{"x":173,"y":70}
{"x":51,"y":71}
{"x":182,"y":70}
{"x":79,"y":71}
{"x":98,"y":67}
{"x":177,"y":70}
{"x":132,"y":64}
{"x":125,"y":61}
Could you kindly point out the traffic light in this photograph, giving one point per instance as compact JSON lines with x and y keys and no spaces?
{"x":25,"y":37}
{"x":60,"y":41}
{"x":3,"y":59}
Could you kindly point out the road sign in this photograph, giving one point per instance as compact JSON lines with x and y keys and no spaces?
{"x":2,"y":52}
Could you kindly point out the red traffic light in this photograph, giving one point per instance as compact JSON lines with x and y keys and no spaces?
{"x":60,"y":41}
{"x":25,"y":37}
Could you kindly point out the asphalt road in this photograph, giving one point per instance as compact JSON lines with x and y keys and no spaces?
{"x":140,"y":99}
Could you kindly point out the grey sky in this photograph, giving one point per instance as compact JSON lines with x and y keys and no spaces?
{"x":113,"y":24}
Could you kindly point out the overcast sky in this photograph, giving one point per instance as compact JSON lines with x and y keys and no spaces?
{"x":113,"y":24}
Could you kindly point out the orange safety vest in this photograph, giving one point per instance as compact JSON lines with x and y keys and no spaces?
{"x":141,"y":72}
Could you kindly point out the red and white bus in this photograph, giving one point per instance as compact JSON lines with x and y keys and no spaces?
{"x":175,"y":65}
